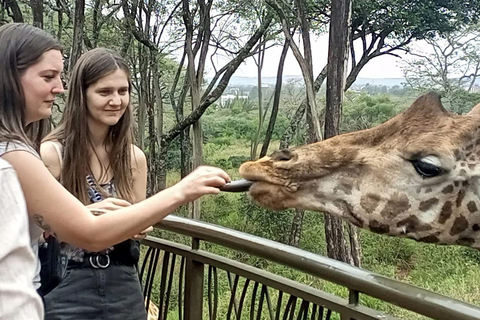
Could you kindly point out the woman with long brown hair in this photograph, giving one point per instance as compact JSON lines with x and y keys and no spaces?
{"x":92,"y":154}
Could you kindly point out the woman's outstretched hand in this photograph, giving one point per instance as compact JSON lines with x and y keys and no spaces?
{"x":203,"y":180}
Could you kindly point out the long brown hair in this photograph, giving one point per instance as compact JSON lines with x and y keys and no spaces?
{"x":73,"y":129}
{"x":21,"y":46}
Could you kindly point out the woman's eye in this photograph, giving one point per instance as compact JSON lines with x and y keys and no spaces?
{"x":425,"y":169}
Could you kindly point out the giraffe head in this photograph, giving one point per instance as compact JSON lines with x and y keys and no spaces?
{"x":416,"y":175}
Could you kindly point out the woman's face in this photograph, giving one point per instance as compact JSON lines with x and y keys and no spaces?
{"x":108,"y":98}
{"x":41,"y":83}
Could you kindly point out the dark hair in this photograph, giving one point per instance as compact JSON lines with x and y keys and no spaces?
{"x":21,"y":46}
{"x":73,"y":128}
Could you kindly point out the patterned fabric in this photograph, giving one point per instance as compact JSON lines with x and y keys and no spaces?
{"x":18,"y":298}
{"x":35,"y":230}
{"x":75,"y":253}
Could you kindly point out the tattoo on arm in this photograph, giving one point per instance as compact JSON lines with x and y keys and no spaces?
{"x":40,"y":221}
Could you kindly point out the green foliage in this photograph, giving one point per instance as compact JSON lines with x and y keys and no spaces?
{"x":365,"y":111}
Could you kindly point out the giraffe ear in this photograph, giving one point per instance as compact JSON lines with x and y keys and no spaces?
{"x":475,"y":110}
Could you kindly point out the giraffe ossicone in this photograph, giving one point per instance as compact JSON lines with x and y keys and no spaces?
{"x":416,"y":175}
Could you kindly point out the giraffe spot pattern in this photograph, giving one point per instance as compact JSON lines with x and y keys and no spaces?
{"x":460,"y":196}
{"x":345,"y":187}
{"x":428,"y":190}
{"x":369,"y":202}
{"x":446,"y":212}
{"x":378,"y":227}
{"x":471,"y":166}
{"x":397,"y":204}
{"x":467,"y":241}
{"x":413,"y":224}
{"x":472,"y":206}
{"x":448,"y":189}
{"x":460,"y":224}
{"x":429,"y":239}
{"x":426,"y":205}
{"x":476,"y":227}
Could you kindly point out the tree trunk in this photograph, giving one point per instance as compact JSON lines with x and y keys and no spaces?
{"x":78,"y":24}
{"x":142,"y":97}
{"x":337,"y":64}
{"x":256,"y":137}
{"x":296,"y":229}
{"x":276,"y":100}
{"x":13,"y":10}
{"x":37,"y":12}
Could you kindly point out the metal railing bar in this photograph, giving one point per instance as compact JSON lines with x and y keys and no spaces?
{"x":233,"y":291}
{"x":404,"y":295}
{"x":272,"y":280}
{"x":163,"y":280}
{"x":254,"y":298}
{"x":209,"y":292}
{"x":152,"y":268}
{"x":242,"y":297}
{"x":170,"y":282}
{"x":260,"y":303}
{"x":269,"y":303}
{"x":180,"y":287}
{"x":279,"y":305}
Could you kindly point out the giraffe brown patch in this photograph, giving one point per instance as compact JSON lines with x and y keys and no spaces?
{"x":465,"y":183}
{"x":369,"y":202}
{"x":469,"y":147}
{"x":378,"y":227}
{"x":448,"y":189}
{"x":471,"y":166}
{"x":467,"y":241}
{"x":345,"y":187}
{"x":462,"y":173}
{"x":460,"y":224}
{"x":476,"y":227}
{"x":457,"y":154}
{"x":460,"y":196}
{"x":429,"y":239}
{"x":462,"y":164}
{"x":446,"y":212}
{"x":428,"y":190}
{"x":456,"y":183}
{"x":426,"y":205}
{"x":472,"y":206}
{"x":413,"y":224}
{"x":472,"y":158}
{"x":345,"y":207}
{"x":397,"y":204}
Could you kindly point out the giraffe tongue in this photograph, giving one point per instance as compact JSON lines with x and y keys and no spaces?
{"x":241,"y":185}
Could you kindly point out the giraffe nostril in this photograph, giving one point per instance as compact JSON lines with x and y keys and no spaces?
{"x":282,"y":155}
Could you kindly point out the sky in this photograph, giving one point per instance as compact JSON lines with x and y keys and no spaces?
{"x":386,"y":66}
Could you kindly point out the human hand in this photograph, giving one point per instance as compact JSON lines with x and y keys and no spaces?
{"x":109,"y":204}
{"x":203,"y":180}
{"x":142,"y":234}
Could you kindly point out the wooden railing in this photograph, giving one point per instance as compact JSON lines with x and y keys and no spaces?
{"x":185,"y":282}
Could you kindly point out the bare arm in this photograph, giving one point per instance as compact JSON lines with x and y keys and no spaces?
{"x":139,"y":171}
{"x":56,"y":210}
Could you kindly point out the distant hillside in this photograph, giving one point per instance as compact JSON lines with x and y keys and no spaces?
{"x":252,"y":81}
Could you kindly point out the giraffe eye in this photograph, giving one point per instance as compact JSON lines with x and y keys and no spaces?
{"x":426,"y":168}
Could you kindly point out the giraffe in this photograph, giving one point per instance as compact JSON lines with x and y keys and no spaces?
{"x":416,"y":175}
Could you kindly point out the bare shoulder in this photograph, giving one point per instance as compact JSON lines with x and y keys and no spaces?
{"x":139,"y":161}
{"x":50,"y":151}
